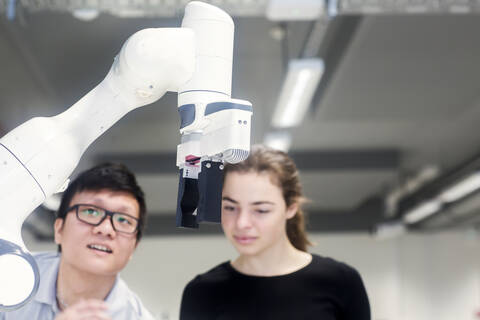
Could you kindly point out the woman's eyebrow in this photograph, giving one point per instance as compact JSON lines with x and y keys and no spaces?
{"x":252,"y":203}
{"x":229,"y":199}
{"x":262,"y":202}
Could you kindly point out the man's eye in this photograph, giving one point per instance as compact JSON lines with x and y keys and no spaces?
{"x":91,"y":212}
{"x":123,"y":220}
{"x":262,"y":211}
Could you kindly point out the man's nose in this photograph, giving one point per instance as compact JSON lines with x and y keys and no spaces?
{"x":106,"y":227}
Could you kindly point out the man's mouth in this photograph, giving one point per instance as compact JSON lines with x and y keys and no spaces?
{"x":99,"y":248}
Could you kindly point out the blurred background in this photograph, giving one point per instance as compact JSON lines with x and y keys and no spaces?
{"x":377,"y":101}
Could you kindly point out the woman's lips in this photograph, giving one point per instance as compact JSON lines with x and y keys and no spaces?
{"x":244,"y":239}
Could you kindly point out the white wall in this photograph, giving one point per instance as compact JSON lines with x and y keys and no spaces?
{"x":416,"y":277}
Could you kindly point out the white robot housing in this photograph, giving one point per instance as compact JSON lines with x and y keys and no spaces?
{"x":37,"y":157}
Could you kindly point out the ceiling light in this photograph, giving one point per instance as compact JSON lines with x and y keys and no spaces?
{"x":279,"y":140}
{"x":285,"y":10}
{"x":462,"y":188}
{"x":422,"y":211}
{"x":409,"y":186}
{"x":297,"y":92}
{"x":86,"y":14}
{"x":389,"y":230}
{"x":11,"y":4}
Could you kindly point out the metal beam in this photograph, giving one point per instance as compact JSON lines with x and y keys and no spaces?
{"x":143,"y":163}
{"x":361,"y":219}
{"x":323,"y":221}
{"x":408,"y":6}
{"x":341,"y":30}
{"x":324,"y":160}
{"x":139,"y":8}
{"x":14,"y":33}
{"x":163,"y":8}
{"x":432,"y":189}
{"x":328,"y":160}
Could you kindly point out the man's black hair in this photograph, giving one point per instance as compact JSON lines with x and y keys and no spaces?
{"x":106,"y":176}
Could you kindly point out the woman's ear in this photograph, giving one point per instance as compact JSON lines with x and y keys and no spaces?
{"x":57,"y":228}
{"x":292,"y":210}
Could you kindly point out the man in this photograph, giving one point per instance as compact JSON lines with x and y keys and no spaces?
{"x":99,"y":224}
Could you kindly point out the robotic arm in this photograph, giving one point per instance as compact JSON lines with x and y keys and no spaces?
{"x":37,"y":157}
{"x":214,"y":127}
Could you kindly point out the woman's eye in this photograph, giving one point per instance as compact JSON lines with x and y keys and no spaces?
{"x":228,"y":208}
{"x":262,"y":211}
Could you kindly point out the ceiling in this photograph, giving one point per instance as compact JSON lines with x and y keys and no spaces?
{"x":400,"y":93}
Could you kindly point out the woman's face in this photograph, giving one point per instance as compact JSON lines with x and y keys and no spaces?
{"x":254,"y":213}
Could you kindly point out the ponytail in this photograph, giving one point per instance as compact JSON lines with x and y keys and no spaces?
{"x":296,"y":231}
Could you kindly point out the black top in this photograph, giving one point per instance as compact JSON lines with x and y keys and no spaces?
{"x":323,"y":290}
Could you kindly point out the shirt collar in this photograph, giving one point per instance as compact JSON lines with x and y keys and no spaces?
{"x":117,"y":299}
{"x":47,"y":290}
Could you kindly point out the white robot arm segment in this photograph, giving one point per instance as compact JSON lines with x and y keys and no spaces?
{"x":37,"y":157}
{"x":214,"y":128}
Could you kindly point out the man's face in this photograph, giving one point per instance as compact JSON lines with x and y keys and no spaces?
{"x":82,"y":244}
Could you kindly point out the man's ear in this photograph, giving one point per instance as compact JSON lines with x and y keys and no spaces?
{"x":292,"y":210}
{"x":134,"y":249}
{"x":57,"y":228}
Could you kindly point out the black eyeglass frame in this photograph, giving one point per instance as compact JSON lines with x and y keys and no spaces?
{"x":108,"y":213}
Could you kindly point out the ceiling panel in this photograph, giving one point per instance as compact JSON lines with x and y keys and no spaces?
{"x":407,"y":83}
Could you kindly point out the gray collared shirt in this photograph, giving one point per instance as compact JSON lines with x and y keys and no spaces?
{"x":122,"y":302}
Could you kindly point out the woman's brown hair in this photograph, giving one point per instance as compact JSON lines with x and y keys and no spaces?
{"x":284,"y":174}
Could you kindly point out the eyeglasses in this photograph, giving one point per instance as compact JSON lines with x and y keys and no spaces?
{"x":94,"y":216}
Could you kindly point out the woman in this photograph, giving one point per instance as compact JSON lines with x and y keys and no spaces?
{"x":274,"y":277}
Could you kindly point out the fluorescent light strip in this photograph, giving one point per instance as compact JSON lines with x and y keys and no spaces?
{"x":422,"y":211}
{"x":461,"y":189}
{"x":389,"y":230}
{"x":279,"y":140}
{"x":292,"y":106}
{"x":288,"y":10}
{"x":297,"y":92}
{"x":454,"y":193}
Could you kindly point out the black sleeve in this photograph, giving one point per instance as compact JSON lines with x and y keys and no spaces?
{"x":357,"y":306}
{"x":192,"y":306}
